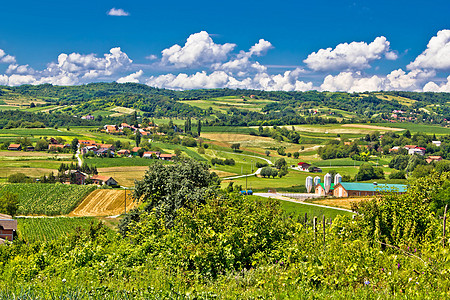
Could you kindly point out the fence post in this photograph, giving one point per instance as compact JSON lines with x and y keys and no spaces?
{"x":443,"y":227}
{"x":306,"y":219}
{"x":315,"y":229}
{"x":323,"y":221}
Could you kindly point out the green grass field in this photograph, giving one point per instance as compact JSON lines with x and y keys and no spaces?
{"x":299,"y":210}
{"x":429,"y":129}
{"x":47,"y":199}
{"x":46,"y":229}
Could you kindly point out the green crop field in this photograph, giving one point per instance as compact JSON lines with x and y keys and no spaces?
{"x":299,"y":210}
{"x":46,"y":229}
{"x":47,"y":199}
{"x":100,"y":162}
{"x":429,"y":129}
{"x":35,"y":132}
{"x":341,"y":162}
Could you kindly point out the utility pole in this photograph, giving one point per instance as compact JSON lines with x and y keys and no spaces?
{"x":125,"y":201}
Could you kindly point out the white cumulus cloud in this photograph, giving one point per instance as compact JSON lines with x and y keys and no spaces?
{"x":351,"y":82}
{"x":199,"y":50}
{"x":219,"y":79}
{"x":353,"y":56}
{"x":134,"y":78}
{"x":117,"y":12}
{"x":6,"y":58}
{"x":433,"y":87}
{"x":437,"y":54}
{"x":242,"y":63}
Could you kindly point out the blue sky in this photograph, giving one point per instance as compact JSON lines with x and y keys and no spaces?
{"x":297,"y":45}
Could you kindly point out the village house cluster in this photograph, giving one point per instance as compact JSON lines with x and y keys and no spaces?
{"x":53,"y":145}
{"x":119,"y":130}
{"x":414,"y":149}
{"x":100,"y":149}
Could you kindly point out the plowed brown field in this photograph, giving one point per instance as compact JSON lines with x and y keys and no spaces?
{"x":104,"y":203}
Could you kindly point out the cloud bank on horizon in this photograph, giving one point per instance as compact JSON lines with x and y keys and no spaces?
{"x":202,"y":63}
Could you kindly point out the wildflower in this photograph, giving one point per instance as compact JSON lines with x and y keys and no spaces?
{"x":64,"y":280}
{"x":410,"y":279}
{"x":417,"y":282}
{"x":389,"y":273}
{"x":398,"y":266}
{"x":382,"y":269}
{"x":366,"y":282}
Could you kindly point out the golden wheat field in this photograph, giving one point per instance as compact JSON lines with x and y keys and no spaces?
{"x":104,"y":203}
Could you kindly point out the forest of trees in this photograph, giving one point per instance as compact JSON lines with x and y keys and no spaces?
{"x":287,"y":108}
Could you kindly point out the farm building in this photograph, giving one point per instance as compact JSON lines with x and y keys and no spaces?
{"x":123,"y":152}
{"x":77,"y":177}
{"x":349,"y":189}
{"x":436,"y":143}
{"x":107,"y":146}
{"x":135,"y":151}
{"x":53,"y":141}
{"x":316,"y":170}
{"x":151,"y":154}
{"x":167,"y":156}
{"x":101,"y":180}
{"x":8,"y":227}
{"x":432,"y":158}
{"x":15,"y":147}
{"x":86,"y":142}
{"x":303,"y":166}
{"x":320,"y":189}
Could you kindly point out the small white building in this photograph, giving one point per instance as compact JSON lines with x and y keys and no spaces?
{"x":436,"y":143}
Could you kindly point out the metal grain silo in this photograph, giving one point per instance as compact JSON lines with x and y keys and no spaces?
{"x":337,"y":178}
{"x":316,"y":180}
{"x":309,"y":184}
{"x":327,"y":183}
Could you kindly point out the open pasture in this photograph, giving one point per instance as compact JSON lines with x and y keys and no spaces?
{"x":342,"y":129}
{"x":105,"y":202}
{"x":125,"y":176}
{"x":412,"y":127}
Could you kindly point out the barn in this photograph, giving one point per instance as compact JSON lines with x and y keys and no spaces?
{"x":353,"y":189}
{"x":8,"y":227}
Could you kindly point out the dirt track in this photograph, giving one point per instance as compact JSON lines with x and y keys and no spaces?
{"x":104,"y":203}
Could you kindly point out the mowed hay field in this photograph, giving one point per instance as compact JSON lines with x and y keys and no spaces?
{"x":226,"y":139}
{"x":104,"y":203}
{"x":341,"y":202}
{"x":125,"y":176}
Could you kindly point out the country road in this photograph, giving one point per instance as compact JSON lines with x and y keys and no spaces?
{"x":248,"y":175}
{"x":77,"y":155}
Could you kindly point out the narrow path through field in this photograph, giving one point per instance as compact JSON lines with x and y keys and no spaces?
{"x":247,"y":175}
{"x":80,"y":162}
